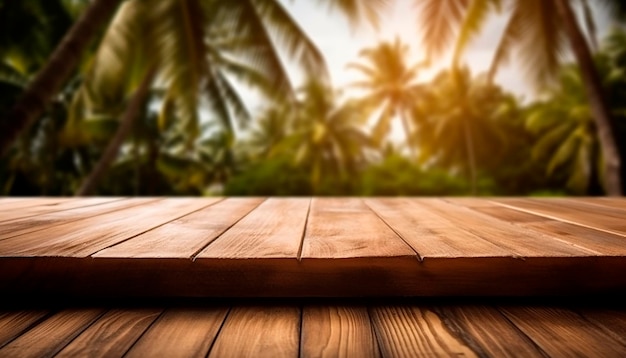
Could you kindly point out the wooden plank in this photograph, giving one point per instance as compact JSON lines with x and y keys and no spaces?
{"x":27,"y":225}
{"x":608,"y":220}
{"x":181,"y":332}
{"x":337,"y":331}
{"x":560,"y":332}
{"x":13,"y":324}
{"x":31,"y":202}
{"x":486,"y":330}
{"x":522,"y":242}
{"x":612,"y":321}
{"x":184,"y":237}
{"x":85,"y":237}
{"x":607,"y":201}
{"x":408,"y":331}
{"x":273,"y":230}
{"x":43,"y":209}
{"x":262,"y":331}
{"x":112,"y":334}
{"x":51,"y":335}
{"x":600,"y":242}
{"x":432,"y":234}
{"x":346,"y":227}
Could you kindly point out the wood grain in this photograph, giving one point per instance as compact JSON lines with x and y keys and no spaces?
{"x":184,"y":237}
{"x":273,"y":230}
{"x":181,"y":332}
{"x":522,"y":242}
{"x":85,"y":237}
{"x":598,"y":242}
{"x":17,"y":227}
{"x":259,"y":331}
{"x":487,"y":328}
{"x":346,"y":227}
{"x":337,"y":331}
{"x":409,"y":331}
{"x":560,"y":332}
{"x":14,"y":323}
{"x":112,"y":334}
{"x":51,"y":335}
{"x":24,"y":203}
{"x":432,"y":234}
{"x":612,"y":321}
{"x":608,"y":220}
{"x":44,"y":209}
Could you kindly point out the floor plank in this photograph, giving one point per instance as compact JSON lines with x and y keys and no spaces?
{"x":44,"y":209}
{"x":272,"y":230}
{"x":599,"y":242}
{"x":85,"y":237}
{"x":19,"y":205}
{"x":51,"y":335}
{"x":261,"y":331}
{"x":488,"y":329}
{"x":408,"y":331}
{"x":560,"y":332}
{"x":337,"y":331}
{"x":17,"y":227}
{"x":612,"y":321}
{"x":14,"y":323}
{"x":184,"y":237}
{"x":432,"y":234}
{"x":346,"y":227}
{"x":180,"y":332}
{"x":522,"y":242}
{"x":610,"y":221}
{"x":112,"y":334}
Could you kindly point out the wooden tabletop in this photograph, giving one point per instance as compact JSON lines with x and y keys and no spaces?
{"x":293,"y":247}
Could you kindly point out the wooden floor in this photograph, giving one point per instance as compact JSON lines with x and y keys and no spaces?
{"x":316,"y":329}
{"x":117,"y":277}
{"x":303,"y":247}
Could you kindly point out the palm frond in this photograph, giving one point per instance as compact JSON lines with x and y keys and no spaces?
{"x":473,"y":22}
{"x":440,"y":21}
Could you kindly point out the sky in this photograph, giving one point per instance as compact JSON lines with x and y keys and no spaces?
{"x":341,"y":44}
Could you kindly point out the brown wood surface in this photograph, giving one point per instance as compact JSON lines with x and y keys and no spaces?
{"x":12,"y":324}
{"x":432,"y":234}
{"x":409,"y":331}
{"x":262,"y":331}
{"x":560,"y":332}
{"x":346,"y":227}
{"x":337,"y":331}
{"x":273,"y":230}
{"x":112,"y":334}
{"x":48,"y":220}
{"x":181,"y":332}
{"x":487,"y":331}
{"x":9,"y":213}
{"x":572,"y":212}
{"x":522,"y":242}
{"x":248,"y":247}
{"x":51,"y":335}
{"x":186,"y":236}
{"x":85,"y":237}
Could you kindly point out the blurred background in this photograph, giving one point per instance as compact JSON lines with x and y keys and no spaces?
{"x":312,"y":97}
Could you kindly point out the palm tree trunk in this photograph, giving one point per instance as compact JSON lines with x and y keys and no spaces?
{"x":126,"y":124}
{"x":471,"y":157}
{"x":49,"y":80}
{"x":407,"y":131}
{"x":597,"y":99}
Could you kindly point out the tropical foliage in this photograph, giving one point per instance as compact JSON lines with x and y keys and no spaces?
{"x":156,"y":103}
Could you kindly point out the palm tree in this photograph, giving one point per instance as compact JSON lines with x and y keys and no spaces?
{"x":459,"y":129}
{"x":567,"y":141}
{"x":540,"y":29}
{"x":57,"y":70}
{"x":197,"y":48}
{"x":326,"y":137}
{"x":391,"y":86}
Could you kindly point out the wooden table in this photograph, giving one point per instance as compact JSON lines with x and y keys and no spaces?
{"x":148,"y":277}
{"x":303,"y":247}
